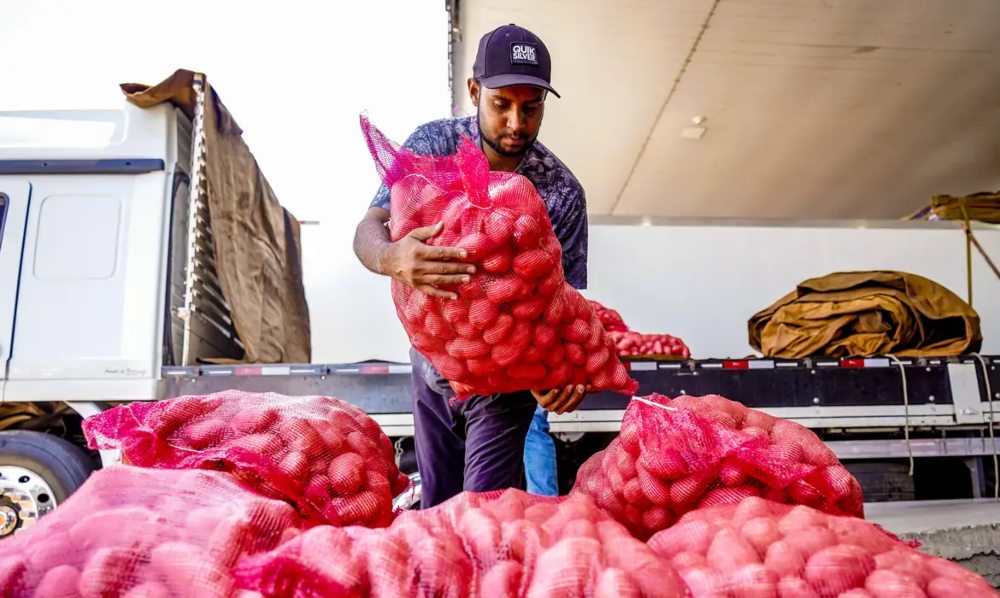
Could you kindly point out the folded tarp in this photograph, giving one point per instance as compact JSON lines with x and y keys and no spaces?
{"x":856,"y":314}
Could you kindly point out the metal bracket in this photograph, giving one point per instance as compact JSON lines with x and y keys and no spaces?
{"x":964,"y":383}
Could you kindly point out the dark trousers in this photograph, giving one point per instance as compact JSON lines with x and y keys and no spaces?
{"x":475,"y":445}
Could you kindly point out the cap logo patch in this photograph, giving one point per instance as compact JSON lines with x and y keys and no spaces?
{"x":523,"y":53}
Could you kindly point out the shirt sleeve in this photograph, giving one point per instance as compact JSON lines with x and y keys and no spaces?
{"x":417,"y":142}
{"x":572,"y":234}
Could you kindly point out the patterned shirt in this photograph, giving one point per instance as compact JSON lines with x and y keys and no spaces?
{"x":562,"y":193}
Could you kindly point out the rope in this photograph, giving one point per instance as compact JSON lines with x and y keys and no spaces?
{"x":906,"y":410}
{"x":993,"y":442}
{"x":966,"y":226}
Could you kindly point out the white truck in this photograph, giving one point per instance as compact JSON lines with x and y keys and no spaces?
{"x":109,"y":293}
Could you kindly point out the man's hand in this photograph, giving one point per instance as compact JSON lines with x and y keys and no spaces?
{"x":562,"y":400}
{"x":423,"y":267}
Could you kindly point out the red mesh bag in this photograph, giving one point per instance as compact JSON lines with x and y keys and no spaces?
{"x":324,"y":455}
{"x":516,"y":325}
{"x":611,"y":319}
{"x":490,"y":545}
{"x":635,"y":344}
{"x":673,"y":456}
{"x":763,"y":548}
{"x":144,"y":533}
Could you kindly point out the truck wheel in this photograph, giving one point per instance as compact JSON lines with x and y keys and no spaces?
{"x":37,"y":473}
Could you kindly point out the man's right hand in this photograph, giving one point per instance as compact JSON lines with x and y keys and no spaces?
{"x":423,"y":267}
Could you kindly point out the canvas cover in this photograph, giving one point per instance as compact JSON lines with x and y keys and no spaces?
{"x":856,"y":314}
{"x":983,"y":207}
{"x":256,"y":241}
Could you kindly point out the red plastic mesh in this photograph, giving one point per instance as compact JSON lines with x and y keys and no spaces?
{"x":673,"y":456}
{"x":637,"y":343}
{"x":490,"y":545}
{"x":763,"y":548}
{"x":611,"y":319}
{"x":322,"y":454}
{"x":517,"y":307}
{"x":140,"y":532}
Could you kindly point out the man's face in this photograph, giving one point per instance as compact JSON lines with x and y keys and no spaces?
{"x":509,"y":117}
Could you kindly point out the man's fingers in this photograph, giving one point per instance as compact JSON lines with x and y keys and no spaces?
{"x":562,"y":396}
{"x":542,"y":397}
{"x":441,"y":280}
{"x":434,"y":253}
{"x":574,"y":402}
{"x":571,"y":397}
{"x":435,"y":292}
{"x":425,"y":232}
{"x":447,"y":268}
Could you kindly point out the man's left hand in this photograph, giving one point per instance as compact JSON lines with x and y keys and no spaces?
{"x":561,"y":400}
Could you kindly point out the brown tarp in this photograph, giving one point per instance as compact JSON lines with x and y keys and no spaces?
{"x":982,"y":207}
{"x":856,"y":314}
{"x":257,"y":242}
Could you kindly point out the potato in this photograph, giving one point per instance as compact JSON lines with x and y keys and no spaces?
{"x":108,"y":572}
{"x":502,"y":580}
{"x":614,"y":583}
{"x":753,"y":581}
{"x":692,"y":536}
{"x":481,"y":534}
{"x":204,"y":433}
{"x":253,"y":420}
{"x":729,"y":551}
{"x":705,"y":583}
{"x":795,"y":587}
{"x":564,"y":570}
{"x":784,"y":559}
{"x":761,"y":533}
{"x":838,"y":568}
{"x":811,"y":539}
{"x":889,"y":584}
{"x":184,"y":566}
{"x":149,"y":589}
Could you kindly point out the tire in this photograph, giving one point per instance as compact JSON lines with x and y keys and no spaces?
{"x":883,"y":481}
{"x":63,"y":465}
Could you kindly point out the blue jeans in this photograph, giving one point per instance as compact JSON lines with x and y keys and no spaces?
{"x":540,"y":457}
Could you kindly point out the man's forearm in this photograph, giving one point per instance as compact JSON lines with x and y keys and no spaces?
{"x":370,"y":241}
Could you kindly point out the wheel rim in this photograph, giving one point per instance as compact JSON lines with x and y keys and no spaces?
{"x":24,"y":497}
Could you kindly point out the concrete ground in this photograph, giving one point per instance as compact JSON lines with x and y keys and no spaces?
{"x":964,"y":531}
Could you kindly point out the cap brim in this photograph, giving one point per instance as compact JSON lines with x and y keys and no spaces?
{"x":511,"y":80}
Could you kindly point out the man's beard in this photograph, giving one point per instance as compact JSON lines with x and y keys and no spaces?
{"x":495,"y":143}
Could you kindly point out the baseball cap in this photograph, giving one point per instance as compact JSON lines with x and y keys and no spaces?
{"x":512,"y":55}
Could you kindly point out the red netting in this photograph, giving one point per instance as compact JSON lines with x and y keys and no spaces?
{"x":673,"y":456}
{"x":636,"y":344}
{"x":611,"y":319}
{"x":139,"y":532}
{"x":326,"y":456}
{"x":762,"y":548}
{"x":517,"y":324}
{"x":490,"y":545}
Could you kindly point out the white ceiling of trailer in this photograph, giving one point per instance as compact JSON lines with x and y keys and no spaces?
{"x":812,"y":108}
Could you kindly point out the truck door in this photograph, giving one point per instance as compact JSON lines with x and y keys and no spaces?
{"x":14,"y":196}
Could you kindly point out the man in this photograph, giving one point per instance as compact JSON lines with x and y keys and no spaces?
{"x":478,"y":444}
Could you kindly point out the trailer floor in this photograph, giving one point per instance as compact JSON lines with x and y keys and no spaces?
{"x":964,"y":531}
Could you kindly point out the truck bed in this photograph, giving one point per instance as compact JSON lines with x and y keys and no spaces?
{"x":820,"y":393}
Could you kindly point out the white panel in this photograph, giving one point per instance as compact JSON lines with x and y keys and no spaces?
{"x":73,"y":327}
{"x":77,"y":237}
{"x":703,"y":283}
{"x":130,"y":132}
